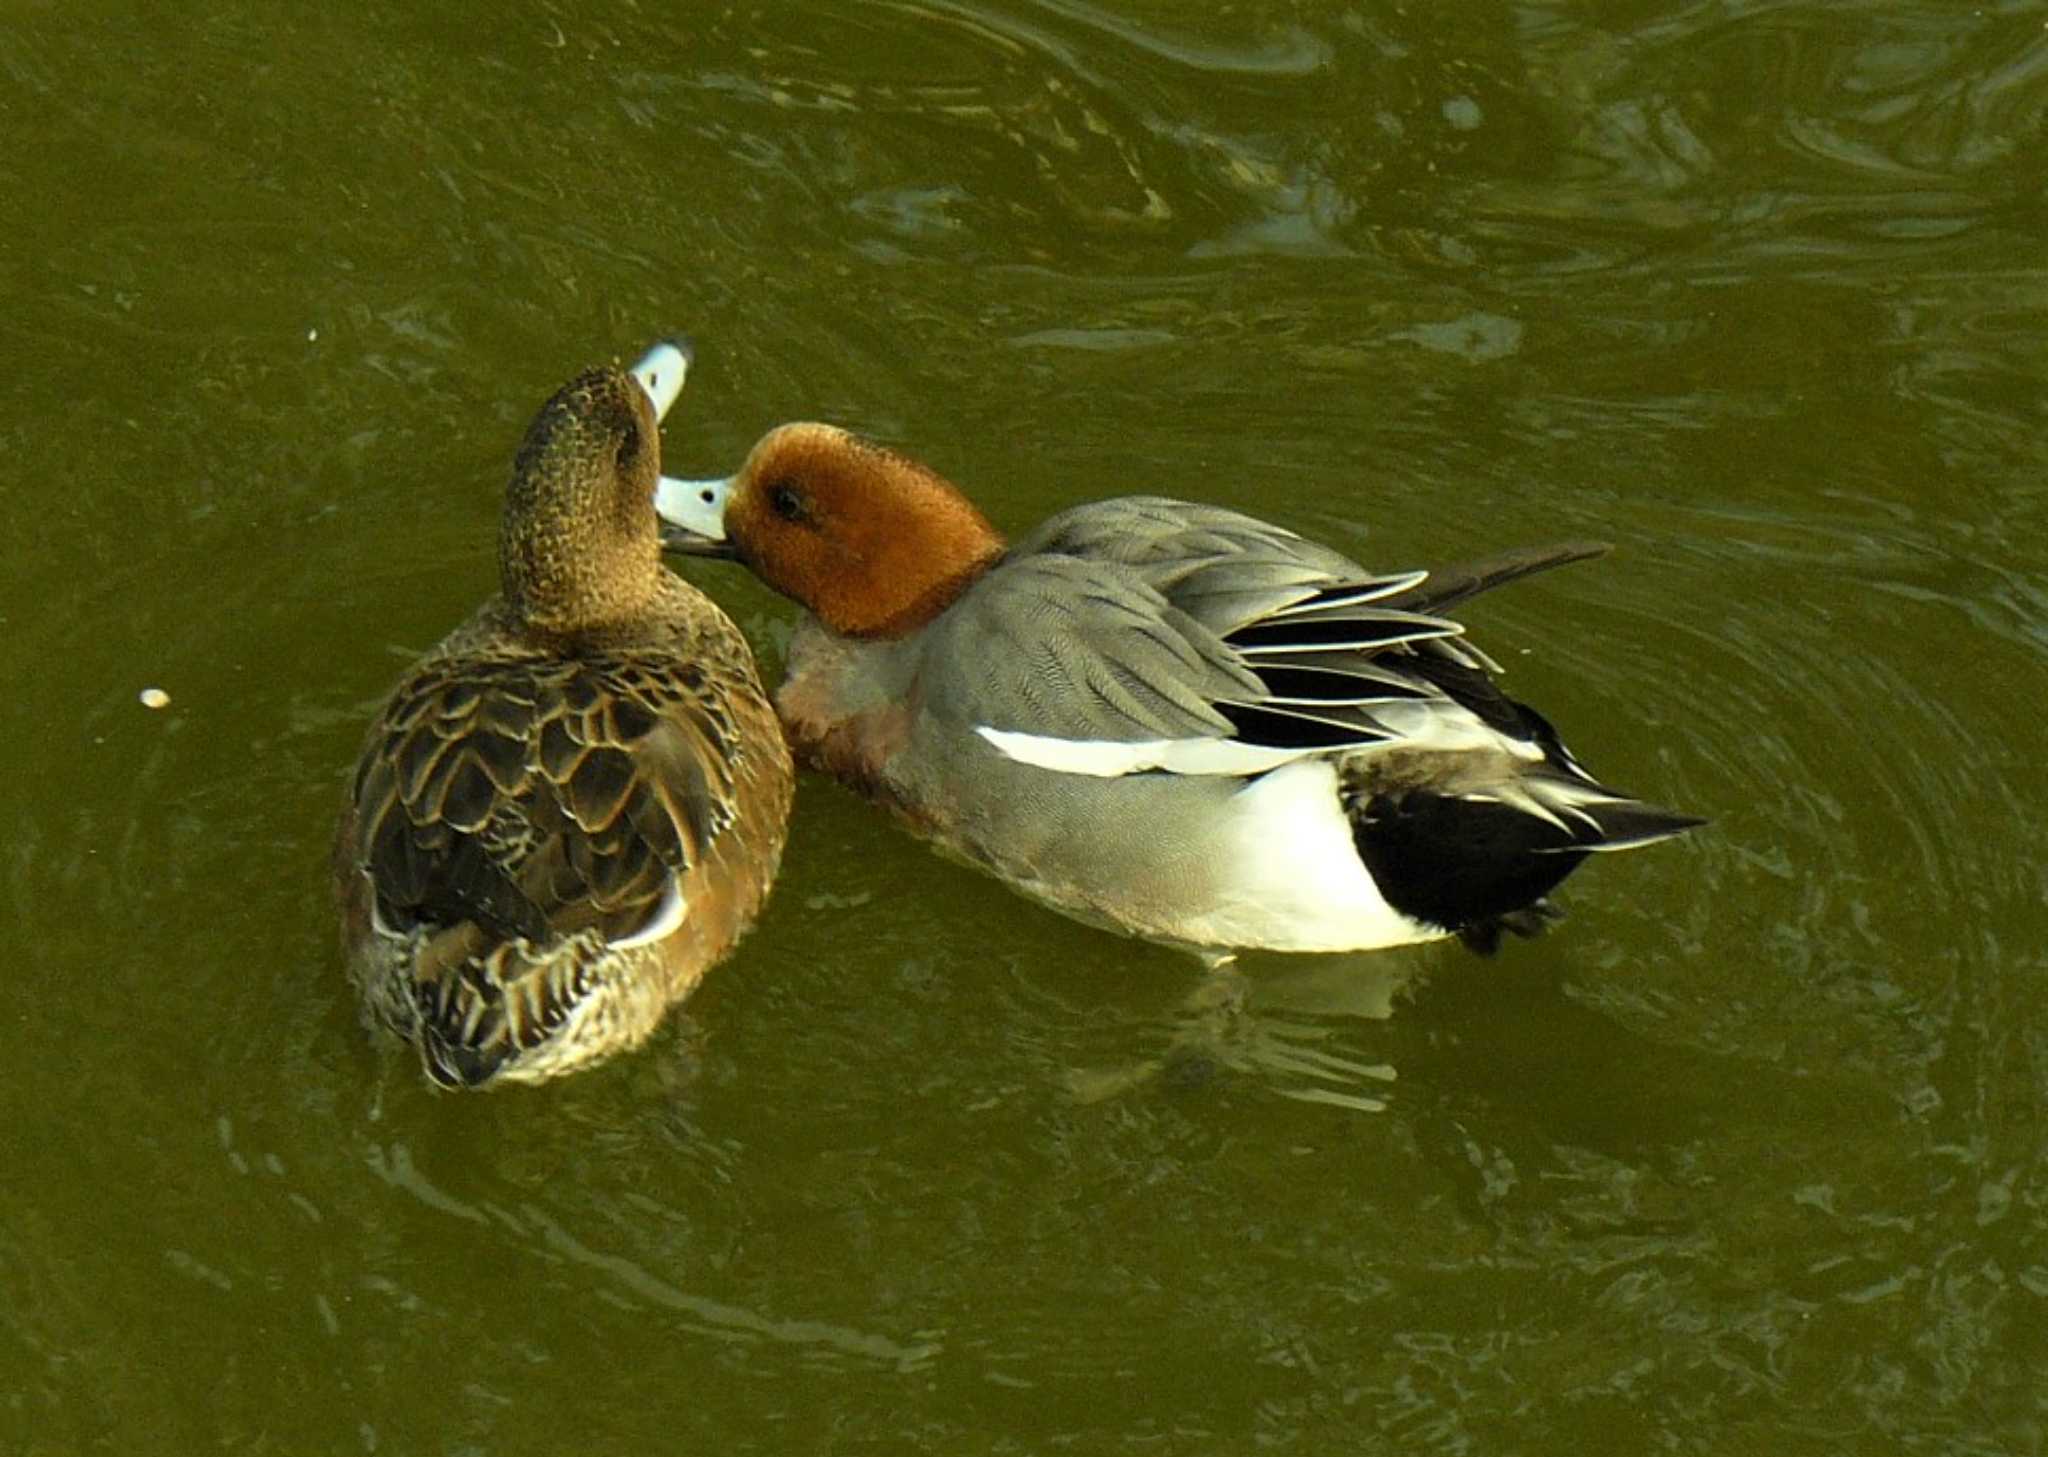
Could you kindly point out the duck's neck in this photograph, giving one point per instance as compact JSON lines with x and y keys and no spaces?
{"x":558,"y":586}
{"x":933,"y":593}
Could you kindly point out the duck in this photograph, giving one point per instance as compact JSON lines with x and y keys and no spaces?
{"x":1165,"y":718}
{"x":573,"y":806}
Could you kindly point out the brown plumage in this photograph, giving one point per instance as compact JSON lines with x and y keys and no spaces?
{"x":575,"y":804}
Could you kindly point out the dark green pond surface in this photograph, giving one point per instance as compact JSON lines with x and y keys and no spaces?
{"x":1748,"y":1156}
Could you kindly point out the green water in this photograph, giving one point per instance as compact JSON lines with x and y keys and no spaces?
{"x":1748,"y":1156}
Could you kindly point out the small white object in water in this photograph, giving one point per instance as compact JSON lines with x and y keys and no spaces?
{"x":155,"y":698}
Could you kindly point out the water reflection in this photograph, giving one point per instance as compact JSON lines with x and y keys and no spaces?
{"x":1280,"y":1028}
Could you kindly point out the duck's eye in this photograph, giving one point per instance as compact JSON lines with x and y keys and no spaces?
{"x":628,"y":451}
{"x":786,"y":501}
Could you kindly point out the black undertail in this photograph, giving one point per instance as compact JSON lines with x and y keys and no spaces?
{"x":1472,"y":868}
{"x":1477,"y":866}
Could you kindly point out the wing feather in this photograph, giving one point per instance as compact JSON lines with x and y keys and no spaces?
{"x":539,"y":797}
{"x":1126,"y":635}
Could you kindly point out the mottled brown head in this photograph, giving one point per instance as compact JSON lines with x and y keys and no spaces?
{"x":580,"y":547}
{"x":874,"y":543}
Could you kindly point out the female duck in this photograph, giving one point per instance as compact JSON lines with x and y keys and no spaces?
{"x":1170,"y":719}
{"x":575,"y":804}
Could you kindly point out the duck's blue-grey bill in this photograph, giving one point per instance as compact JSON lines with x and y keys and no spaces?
{"x":693,"y":516}
{"x":661,"y":372}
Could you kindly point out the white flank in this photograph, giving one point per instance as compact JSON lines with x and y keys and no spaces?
{"x":661,"y":372}
{"x":667,"y":916}
{"x":1290,"y":877}
{"x":1111,"y":758}
{"x":697,"y":506}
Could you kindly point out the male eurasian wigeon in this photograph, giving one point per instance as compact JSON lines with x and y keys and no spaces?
{"x":575,"y":804}
{"x":1166,"y":718}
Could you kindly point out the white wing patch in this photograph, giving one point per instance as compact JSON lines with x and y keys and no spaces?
{"x":1437,"y":726}
{"x":1113,"y":758}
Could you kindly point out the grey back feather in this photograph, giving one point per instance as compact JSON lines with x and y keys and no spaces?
{"x":1148,"y":618}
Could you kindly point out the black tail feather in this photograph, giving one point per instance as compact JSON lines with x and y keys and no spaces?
{"x":1480,"y":867}
{"x":1445,"y":587}
{"x":1626,"y":823}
